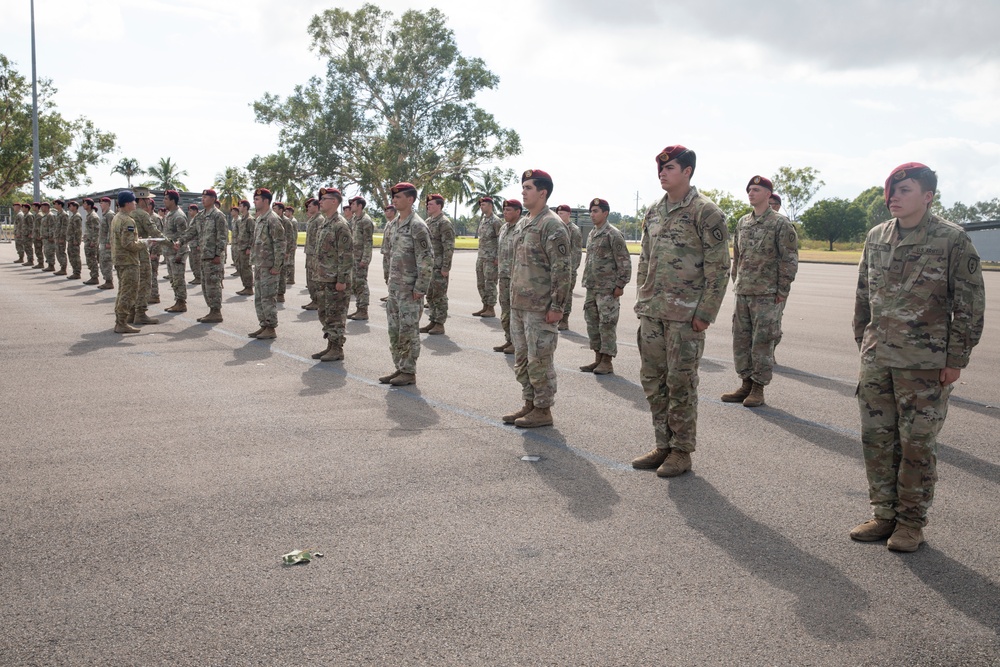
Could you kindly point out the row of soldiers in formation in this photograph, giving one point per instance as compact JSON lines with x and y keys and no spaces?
{"x":918,"y":309}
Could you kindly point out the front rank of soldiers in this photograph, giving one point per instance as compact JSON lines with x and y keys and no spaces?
{"x":486,"y":259}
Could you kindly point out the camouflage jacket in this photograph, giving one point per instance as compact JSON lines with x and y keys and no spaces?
{"x":47,"y":227}
{"x":920,"y":299}
{"x":291,"y":235}
{"x":387,"y":235}
{"x":411,"y":259}
{"x":442,"y":233}
{"x":765,"y":255}
{"x":29,"y":225}
{"x":312,"y":226}
{"x":245,"y":241}
{"x":175,"y":228}
{"x":211,"y":231}
{"x":104,"y":234}
{"x":268,"y":242}
{"x":61,"y":228}
{"x":145,"y":229}
{"x":488,"y":233}
{"x":74,"y":234}
{"x":19,"y":225}
{"x":505,"y":249}
{"x":92,"y":225}
{"x":575,"y":245}
{"x":362,"y":230}
{"x":125,"y":243}
{"x":540,"y":270}
{"x":608,"y":263}
{"x":684,"y":264}
{"x":334,"y":260}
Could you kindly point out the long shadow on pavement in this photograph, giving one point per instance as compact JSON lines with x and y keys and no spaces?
{"x":253,"y":351}
{"x":323,"y":377}
{"x":619,"y":386}
{"x":408,"y":409}
{"x":99,"y":340}
{"x":827,"y":603}
{"x":964,"y":589}
{"x":836,"y":385}
{"x":192,"y":332}
{"x":439,"y":345}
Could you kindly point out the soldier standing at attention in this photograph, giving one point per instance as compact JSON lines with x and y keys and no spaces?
{"x":212,"y":232}
{"x":313,"y":223}
{"x":104,"y":244}
{"x":194,"y":220}
{"x":155,"y":252}
{"x":765,"y":260}
{"x":292,"y":229}
{"x":60,"y":231}
{"x":682,"y":277}
{"x":36,"y":234}
{"x":411,"y":263}
{"x":18,"y":219}
{"x":565,"y":214}
{"x":267,"y":257}
{"x":278,"y":209}
{"x":146,"y":230}
{"x":774,"y":201}
{"x":235,"y":220}
{"x":125,"y":247}
{"x":242,"y":245}
{"x":28,"y":234}
{"x":47,"y":226}
{"x":442,"y":233}
{"x":175,"y":226}
{"x":539,"y":289}
{"x":74,"y":237}
{"x":486,"y":260}
{"x":363,"y":228}
{"x":607,"y":271}
{"x":390,"y":217}
{"x":917,"y":315}
{"x":332,"y":264}
{"x":505,"y":259}
{"x":91,"y":241}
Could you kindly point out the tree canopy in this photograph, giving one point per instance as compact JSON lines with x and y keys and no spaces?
{"x":129,"y":168}
{"x":796,"y":187}
{"x":67,"y":148}
{"x":166,"y":175}
{"x":834,"y":220}
{"x":734,"y":208}
{"x":397,"y":104}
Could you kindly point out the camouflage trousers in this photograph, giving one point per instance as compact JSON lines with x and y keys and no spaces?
{"x":535,"y":343}
{"x":107,"y":267}
{"x":403,"y":312}
{"x":38,"y":243}
{"x":437,"y":297}
{"x":93,"y":257}
{"x":128,"y":287}
{"x":175,"y":269}
{"x":600,"y":311}
{"x":19,"y":247}
{"x":29,"y":249}
{"x":385,"y":268}
{"x":310,"y":283}
{"x":194,"y":258}
{"x":504,"y":295}
{"x":902,"y":411}
{"x":265,"y":296}
{"x":245,"y":269}
{"x":49,"y":245}
{"x":486,"y":280}
{"x":154,"y":274}
{"x":61,"y":253}
{"x":756,"y":330}
{"x":332,"y":312}
{"x":145,"y":271}
{"x":670,"y":352}
{"x":73,"y":251}
{"x":211,"y":281}
{"x":568,"y":306}
{"x":290,"y":265}
{"x":359,"y":287}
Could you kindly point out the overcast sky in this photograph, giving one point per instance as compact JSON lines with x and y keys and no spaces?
{"x":595,"y":89}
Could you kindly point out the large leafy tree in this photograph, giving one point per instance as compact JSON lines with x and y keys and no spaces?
{"x":66,"y":148}
{"x":797,"y":187}
{"x":733,"y":207}
{"x":834,"y":220}
{"x":277,"y":173}
{"x":166,"y":175}
{"x":397,"y":104}
{"x":231,"y":185}
{"x":129,"y":168}
{"x":872,"y":202}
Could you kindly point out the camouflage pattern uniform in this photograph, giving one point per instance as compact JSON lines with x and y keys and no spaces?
{"x":145,"y":228}
{"x":155,"y":253}
{"x":442,"y":233}
{"x":61,"y":234}
{"x":919,"y":308}
{"x":765,"y":260}
{"x":194,"y":258}
{"x":386,"y":239}
{"x":174,"y":229}
{"x":608,"y":267}
{"x":268,"y":252}
{"x":212,"y":232}
{"x":411,"y":263}
{"x":28,"y":234}
{"x":74,"y":237}
{"x":505,"y":261}
{"x":333,"y":263}
{"x":291,"y":245}
{"x":363,"y":230}
{"x":540,"y":275}
{"x":244,"y":244}
{"x":47,"y":230}
{"x":104,"y":246}
{"x":312,"y":227}
{"x":683,"y":273}
{"x":91,"y":244}
{"x":576,"y":256}
{"x":486,"y":260}
{"x":125,"y":250}
{"x":36,"y":235}
{"x":18,"y":235}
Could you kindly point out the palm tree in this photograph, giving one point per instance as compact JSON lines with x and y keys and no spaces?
{"x":489,"y":185}
{"x":128,"y":167}
{"x":231,"y":185}
{"x":165,"y":175}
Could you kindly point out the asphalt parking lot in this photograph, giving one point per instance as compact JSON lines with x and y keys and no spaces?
{"x":151,"y":483}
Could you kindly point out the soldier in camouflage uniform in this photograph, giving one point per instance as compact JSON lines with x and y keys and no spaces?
{"x":59,"y":231}
{"x":765,"y":260}
{"x":28,"y":233}
{"x":486,"y":260}
{"x":194,"y":254}
{"x":155,"y":252}
{"x":242,"y":246}
{"x":682,"y":278}
{"x":917,"y":315}
{"x":36,"y":234}
{"x":442,"y":233}
{"x":411,"y":263}
{"x":292,"y":234}
{"x":362,"y":229}
{"x":74,"y":237}
{"x":332,"y":265}
{"x":539,"y":289}
{"x":46,"y":230}
{"x":505,"y":259}
{"x":125,"y":249}
{"x":18,"y":219}
{"x":175,"y":226}
{"x":267,"y":256}
{"x":607,"y":271}
{"x":212,"y":232}
{"x":313,"y":222}
{"x":104,"y":244}
{"x":390,"y":217}
{"x":774,"y":201}
{"x":565,"y":214}
{"x":91,"y":241}
{"x":145,"y":229}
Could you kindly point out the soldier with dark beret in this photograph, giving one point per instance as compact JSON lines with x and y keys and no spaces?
{"x":332,"y":265}
{"x":91,"y":241}
{"x":512,"y":209}
{"x":486,"y":259}
{"x":268,"y":257}
{"x":74,"y":237}
{"x":104,"y":244}
{"x":125,"y":249}
{"x":442,"y":233}
{"x":607,"y":271}
{"x":363,"y":229}
{"x":774,"y":201}
{"x":565,"y":214}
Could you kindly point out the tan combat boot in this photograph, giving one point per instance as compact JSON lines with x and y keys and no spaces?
{"x":385,"y":379}
{"x":254,"y":334}
{"x":154,"y":299}
{"x":335,"y":353}
{"x":312,"y":305}
{"x":75,"y":276}
{"x":501,"y":347}
{"x":537,"y":417}
{"x":509,"y":349}
{"x":280,"y":298}
{"x":60,"y":272}
{"x":130,"y":318}
{"x":122,"y":328}
{"x":589,"y":368}
{"x":677,"y":463}
{"x":403,"y":379}
{"x":651,"y":459}
{"x":905,"y":538}
{"x":319,"y":355}
{"x":514,"y":416}
{"x":180,"y":306}
{"x":214,"y":315}
{"x":267,"y":334}
{"x":756,"y":397}
{"x":488,"y":311}
{"x":605,"y":367}
{"x":246,"y":291}
{"x":873,"y":530}
{"x":92,"y":281}
{"x":424,"y":329}
{"x":142,"y":318}
{"x":361,"y":314}
{"x":741,"y":393}
{"x":107,"y":285}
{"x":196,"y":281}
{"x":437,"y":329}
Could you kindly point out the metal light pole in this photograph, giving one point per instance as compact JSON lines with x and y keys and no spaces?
{"x":34,"y":104}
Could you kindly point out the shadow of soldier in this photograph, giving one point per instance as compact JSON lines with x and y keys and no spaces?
{"x":622,"y":388}
{"x":408,"y":409}
{"x":322,"y":377}
{"x":589,"y":496}
{"x":964,"y":589}
{"x":251,"y":352}
{"x":827,"y":603}
{"x":439,"y":345}
{"x":99,"y":340}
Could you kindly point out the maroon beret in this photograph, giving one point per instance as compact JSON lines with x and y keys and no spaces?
{"x":172,"y":193}
{"x":513,"y":203}
{"x":290,"y":209}
{"x":536,"y":173}
{"x":73,"y":202}
{"x":244,"y":202}
{"x":762,"y":182}
{"x":330,"y":191}
{"x":210,"y":193}
{"x":901,"y":173}
{"x":58,"y":202}
{"x":45,"y":204}
{"x":358,"y":200}
{"x":390,"y":207}
{"x":193,"y":207}
{"x":669,"y":153}
{"x":311,"y":201}
{"x":775,"y":197}
{"x":38,"y":203}
{"x":602,"y":203}
{"x":563,"y":207}
{"x":435,"y":197}
{"x":262,"y":192}
{"x":486,"y":200}
{"x":403,"y":187}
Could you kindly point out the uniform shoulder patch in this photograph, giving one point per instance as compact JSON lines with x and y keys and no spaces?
{"x":717,"y":234}
{"x":973,"y":265}
{"x":130,"y":228}
{"x":562,"y":248}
